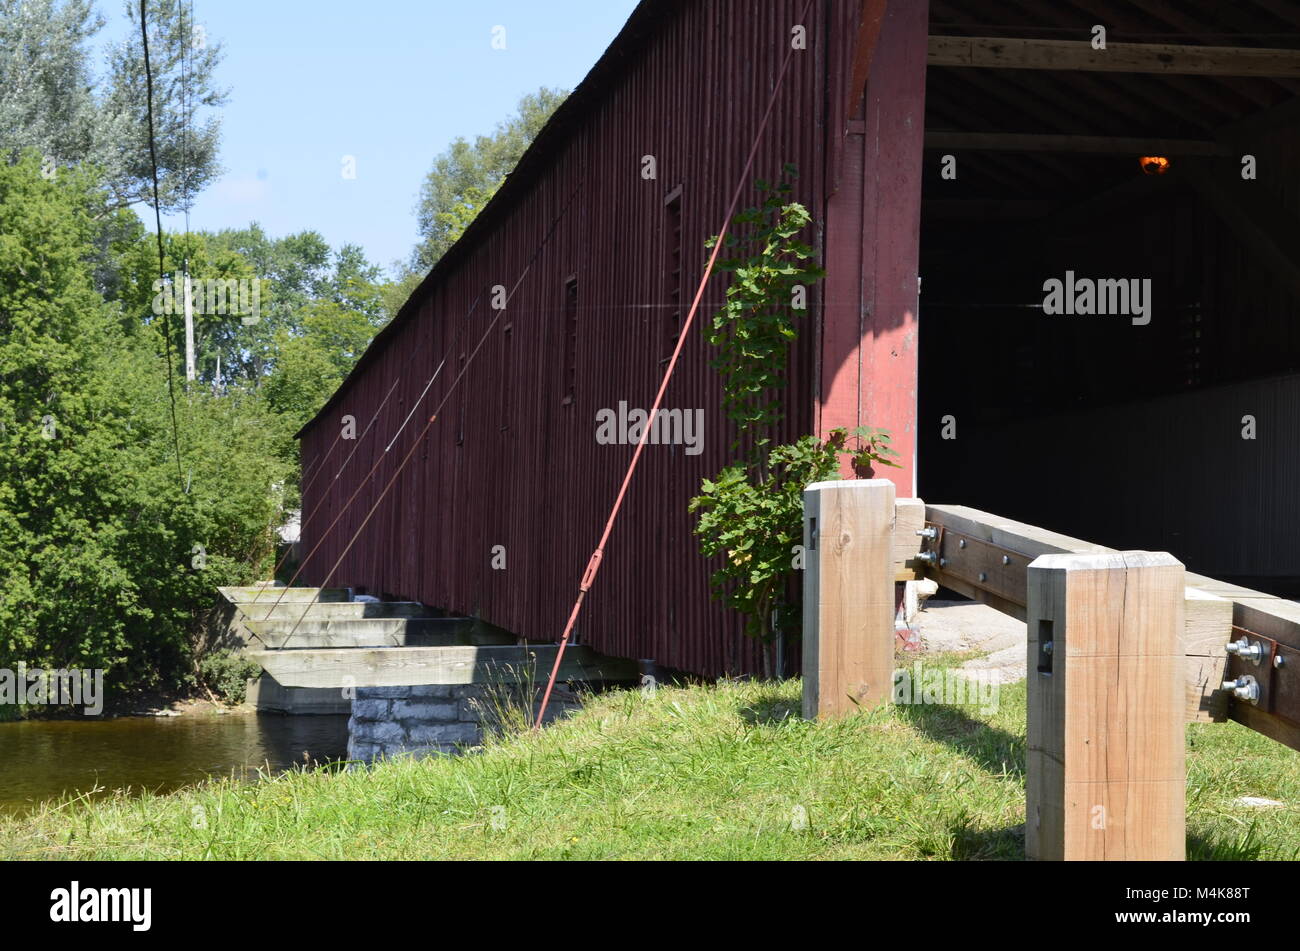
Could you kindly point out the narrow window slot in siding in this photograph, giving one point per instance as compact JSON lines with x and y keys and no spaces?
{"x":571,"y":340}
{"x":460,"y":433}
{"x":672,"y":271}
{"x":507,"y":336}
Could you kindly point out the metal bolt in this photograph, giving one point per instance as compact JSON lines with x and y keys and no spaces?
{"x":1243,"y":688}
{"x":1006,"y":559}
{"x":942,"y":562}
{"x":1047,"y":647}
{"x":1278,"y":660}
{"x":983,"y":576}
{"x":928,"y":532}
{"x":961,"y":543}
{"x":928,"y":557}
{"x":1245,"y":649}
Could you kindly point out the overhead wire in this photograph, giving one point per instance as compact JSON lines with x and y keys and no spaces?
{"x":162,"y":267}
{"x":433,"y":417}
{"x":319,"y":468}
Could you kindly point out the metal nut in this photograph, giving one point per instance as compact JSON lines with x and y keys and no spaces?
{"x":1246,"y":649}
{"x":1244,"y":688}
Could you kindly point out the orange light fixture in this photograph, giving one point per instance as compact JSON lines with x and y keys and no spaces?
{"x":1154,"y":164}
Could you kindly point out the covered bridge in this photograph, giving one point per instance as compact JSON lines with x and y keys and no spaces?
{"x":986,"y":147}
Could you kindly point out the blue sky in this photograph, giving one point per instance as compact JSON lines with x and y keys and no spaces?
{"x":390,"y":82}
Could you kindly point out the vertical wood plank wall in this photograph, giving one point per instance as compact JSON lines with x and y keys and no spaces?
{"x":510,"y":461}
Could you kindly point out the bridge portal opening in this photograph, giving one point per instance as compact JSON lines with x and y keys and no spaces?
{"x":1110,"y":297}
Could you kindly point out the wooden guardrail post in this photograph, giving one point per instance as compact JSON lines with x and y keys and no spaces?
{"x":848,"y":612}
{"x":1105,"y":774}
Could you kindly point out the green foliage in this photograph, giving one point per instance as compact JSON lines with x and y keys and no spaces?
{"x":753,"y":520}
{"x":755,"y":327}
{"x":226,"y":673}
{"x":50,"y":100}
{"x":311,"y":363}
{"x":751,"y":515}
{"x":106,"y":561}
{"x":299,"y":274}
{"x":466,"y":176}
{"x":106,"y":558}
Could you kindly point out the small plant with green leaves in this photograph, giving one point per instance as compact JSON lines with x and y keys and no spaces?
{"x":507,"y":702}
{"x":751,"y":514}
{"x":226,"y":673}
{"x":754,"y":520}
{"x":771,"y":272}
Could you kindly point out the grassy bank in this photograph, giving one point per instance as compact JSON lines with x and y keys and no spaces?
{"x":722,"y":772}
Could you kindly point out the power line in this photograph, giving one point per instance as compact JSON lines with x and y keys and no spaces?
{"x":157,"y":214}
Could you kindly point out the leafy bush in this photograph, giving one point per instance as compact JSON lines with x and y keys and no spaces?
{"x":226,"y":672}
{"x":754,"y":328}
{"x":751,"y":514}
{"x":754,"y":519}
{"x":110,"y":552}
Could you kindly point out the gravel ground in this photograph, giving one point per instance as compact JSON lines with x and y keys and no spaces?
{"x":970,"y":626}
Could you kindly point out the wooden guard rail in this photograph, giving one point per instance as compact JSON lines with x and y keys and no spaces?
{"x":1123,"y":648}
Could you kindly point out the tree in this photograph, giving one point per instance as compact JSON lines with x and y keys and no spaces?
{"x":108,"y":558}
{"x":187,"y":133}
{"x":312,"y":363}
{"x":466,"y":176}
{"x":296,"y":274}
{"x":51,"y":101}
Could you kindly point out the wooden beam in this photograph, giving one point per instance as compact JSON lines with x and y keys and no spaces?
{"x":1225,"y":16}
{"x":416,"y":666}
{"x":1253,"y":211}
{"x":848,"y":609}
{"x":1104,"y":763}
{"x":909,"y":519}
{"x":1011,"y":53}
{"x":872,"y":223}
{"x":1259,"y":125}
{"x":873,"y":14}
{"x":1208,"y":615}
{"x":1276,"y":618}
{"x":1096,"y":144}
{"x":1211,"y":609}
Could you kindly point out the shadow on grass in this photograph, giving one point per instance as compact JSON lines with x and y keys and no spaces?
{"x":975,"y":845}
{"x":771,"y":707}
{"x":971,"y":844}
{"x":993,"y":748}
{"x":1244,"y":848}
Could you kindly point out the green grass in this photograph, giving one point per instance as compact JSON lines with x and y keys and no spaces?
{"x":719,"y":772}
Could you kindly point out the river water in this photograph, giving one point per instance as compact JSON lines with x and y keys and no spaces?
{"x":45,"y":759}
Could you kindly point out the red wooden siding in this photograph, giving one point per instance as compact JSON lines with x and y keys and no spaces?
{"x":513,"y":460}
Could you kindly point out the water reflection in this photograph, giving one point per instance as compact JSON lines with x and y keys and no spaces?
{"x":42,"y":760}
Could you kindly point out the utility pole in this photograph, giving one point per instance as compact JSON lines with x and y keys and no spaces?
{"x":189,"y":328}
